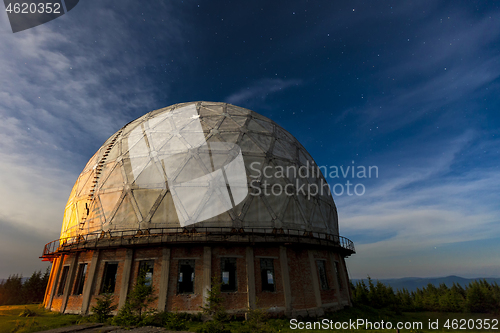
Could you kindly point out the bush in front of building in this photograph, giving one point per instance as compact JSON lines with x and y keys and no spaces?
{"x":214,"y":307}
{"x":175,"y":321}
{"x":215,"y":311}
{"x":136,"y":308}
{"x":102,"y":311}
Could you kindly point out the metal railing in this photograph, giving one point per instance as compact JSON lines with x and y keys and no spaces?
{"x":152,"y":236}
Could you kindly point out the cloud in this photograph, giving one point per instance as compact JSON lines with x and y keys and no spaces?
{"x":21,"y":248}
{"x":438,"y":188}
{"x":414,"y":211}
{"x":260,"y":90}
{"x":66,"y":86}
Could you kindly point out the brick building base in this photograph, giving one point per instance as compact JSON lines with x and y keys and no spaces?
{"x":300,"y":280}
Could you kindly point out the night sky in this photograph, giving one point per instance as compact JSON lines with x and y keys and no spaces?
{"x":409,"y":87}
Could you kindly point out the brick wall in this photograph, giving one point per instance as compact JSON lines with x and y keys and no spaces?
{"x":300,"y":278}
{"x":234,"y":300}
{"x":329,"y":295}
{"x":112,"y":255}
{"x":299,"y":268}
{"x":266,"y":299}
{"x":74,"y":304}
{"x":185,"y":302}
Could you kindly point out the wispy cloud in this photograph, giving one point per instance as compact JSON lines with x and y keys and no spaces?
{"x":65,"y":87}
{"x":260,"y":91}
{"x":439,"y":187}
{"x":420,"y":210}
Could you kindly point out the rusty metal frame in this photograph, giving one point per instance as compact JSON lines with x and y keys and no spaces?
{"x":202,"y":235}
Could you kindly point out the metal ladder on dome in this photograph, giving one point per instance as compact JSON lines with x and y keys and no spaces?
{"x":95,"y":181}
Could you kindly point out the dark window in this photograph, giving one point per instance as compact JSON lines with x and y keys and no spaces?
{"x":146,"y":268}
{"x":62,"y":282}
{"x":109,"y":278}
{"x":322,"y":274}
{"x":228,"y":274}
{"x":267,"y":274}
{"x":80,"y":279}
{"x":337,"y":272}
{"x":185,"y":282}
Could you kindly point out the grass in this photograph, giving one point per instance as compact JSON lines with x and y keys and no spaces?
{"x":377,"y":315}
{"x":11,"y":322}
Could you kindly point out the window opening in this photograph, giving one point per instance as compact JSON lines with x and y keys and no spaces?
{"x":109,"y":278}
{"x":322,"y":274}
{"x":80,"y":279}
{"x":267,"y":274}
{"x":62,"y":283}
{"x":185,"y":282}
{"x":146,"y":268}
{"x":228,"y":274}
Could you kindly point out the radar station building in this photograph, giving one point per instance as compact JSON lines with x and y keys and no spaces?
{"x":197,"y":191}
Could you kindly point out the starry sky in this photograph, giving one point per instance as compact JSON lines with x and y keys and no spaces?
{"x":409,"y":87}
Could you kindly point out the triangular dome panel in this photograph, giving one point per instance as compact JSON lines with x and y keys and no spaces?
{"x":292,"y":213}
{"x":257,"y":213}
{"x":264,"y":141}
{"x":114,"y":180}
{"x":109,"y":202}
{"x":89,"y":185}
{"x":150,"y":177}
{"x":255,"y":126}
{"x":239,"y":120}
{"x":82,"y":180}
{"x":234,"y":110}
{"x":229,"y":125}
{"x":267,"y":125}
{"x":204,"y":112}
{"x":160,"y":122}
{"x":247,"y":145}
{"x":158,"y":139}
{"x":166,"y":215}
{"x":125,"y":215}
{"x":230,"y":137}
{"x":283,"y":151}
{"x":146,"y":199}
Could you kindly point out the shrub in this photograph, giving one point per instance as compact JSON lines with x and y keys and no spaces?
{"x":176,"y":322}
{"x":215,"y":310}
{"x":212,"y":326}
{"x":256,"y":321}
{"x":214,"y":307}
{"x":102,"y":311}
{"x":137,"y":303}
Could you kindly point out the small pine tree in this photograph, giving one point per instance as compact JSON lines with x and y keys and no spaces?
{"x":137,"y":303}
{"x":102,"y":311}
{"x":214,"y":307}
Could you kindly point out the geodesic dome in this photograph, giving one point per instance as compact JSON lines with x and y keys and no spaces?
{"x":199,"y":164}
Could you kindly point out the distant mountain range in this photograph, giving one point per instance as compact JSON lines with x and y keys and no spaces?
{"x":412,"y":283}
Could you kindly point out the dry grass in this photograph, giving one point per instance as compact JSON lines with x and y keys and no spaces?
{"x":11,"y":322}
